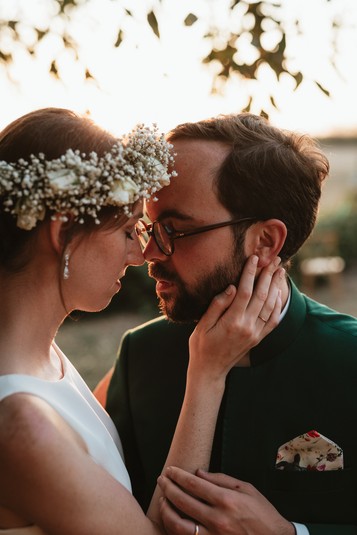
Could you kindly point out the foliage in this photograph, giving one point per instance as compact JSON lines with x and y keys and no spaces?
{"x":262,"y":25}
{"x":334,"y":234}
{"x":345,"y":225}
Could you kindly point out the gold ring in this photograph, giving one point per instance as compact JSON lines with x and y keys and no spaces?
{"x":259,"y":316}
{"x":197,"y":529}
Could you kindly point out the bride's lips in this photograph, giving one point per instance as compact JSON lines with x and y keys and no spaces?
{"x":118,"y":281}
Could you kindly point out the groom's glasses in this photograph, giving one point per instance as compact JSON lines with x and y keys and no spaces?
{"x":165,"y":236}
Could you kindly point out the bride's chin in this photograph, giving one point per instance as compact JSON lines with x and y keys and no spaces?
{"x":101,"y":302}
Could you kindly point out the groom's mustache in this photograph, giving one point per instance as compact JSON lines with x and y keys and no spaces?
{"x":158,"y":272}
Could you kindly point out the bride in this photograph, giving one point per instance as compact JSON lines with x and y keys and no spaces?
{"x":70,"y":197}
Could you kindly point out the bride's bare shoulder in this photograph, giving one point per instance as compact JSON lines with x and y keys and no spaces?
{"x":29,"y":425}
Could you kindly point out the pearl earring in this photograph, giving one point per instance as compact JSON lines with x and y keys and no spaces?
{"x":66,"y":268}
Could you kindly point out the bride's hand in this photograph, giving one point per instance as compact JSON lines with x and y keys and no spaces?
{"x":237,"y":320}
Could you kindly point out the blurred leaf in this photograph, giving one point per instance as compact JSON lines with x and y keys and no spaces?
{"x":259,"y":14}
{"x":40,"y":33}
{"x":326,"y":91}
{"x":68,"y":41}
{"x":6,"y":58}
{"x":247,"y":71}
{"x":273,"y":102}
{"x":257,"y":30}
{"x":224,"y":57}
{"x":298,"y":77}
{"x":152,"y":20}
{"x":119,"y":39}
{"x":264,"y":114}
{"x":281,"y":45}
{"x":53,"y":69}
{"x":190,"y":19}
{"x":64,"y":4}
{"x":12,"y":24}
{"x":88,"y":75}
{"x":248,"y":106}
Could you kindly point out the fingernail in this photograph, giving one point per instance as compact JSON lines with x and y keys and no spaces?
{"x":254,"y":260}
{"x":168,"y":470}
{"x":229,"y":289}
{"x":282,"y":273}
{"x":277,"y":261}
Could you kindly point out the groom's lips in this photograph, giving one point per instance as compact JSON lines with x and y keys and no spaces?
{"x":163,"y":286}
{"x":164,"y":282}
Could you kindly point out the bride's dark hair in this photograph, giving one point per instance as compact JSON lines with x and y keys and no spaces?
{"x":51,"y":131}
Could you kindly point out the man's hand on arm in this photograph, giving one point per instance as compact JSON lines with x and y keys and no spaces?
{"x":220,"y":504}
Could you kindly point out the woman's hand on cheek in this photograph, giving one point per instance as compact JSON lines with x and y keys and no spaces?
{"x":238,"y":319}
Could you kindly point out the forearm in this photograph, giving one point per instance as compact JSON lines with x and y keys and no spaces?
{"x":193,"y":438}
{"x":224,"y":336}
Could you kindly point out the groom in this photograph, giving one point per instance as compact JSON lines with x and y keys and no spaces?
{"x":244,"y":187}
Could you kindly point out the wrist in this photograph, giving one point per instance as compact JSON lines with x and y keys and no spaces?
{"x":206,"y":379}
{"x":286,"y":528}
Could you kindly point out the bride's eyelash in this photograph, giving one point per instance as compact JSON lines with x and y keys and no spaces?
{"x":129,"y":235}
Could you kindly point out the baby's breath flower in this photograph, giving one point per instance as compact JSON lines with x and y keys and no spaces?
{"x":136,"y":167}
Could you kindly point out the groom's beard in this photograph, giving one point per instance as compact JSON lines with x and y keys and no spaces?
{"x":186,"y":305}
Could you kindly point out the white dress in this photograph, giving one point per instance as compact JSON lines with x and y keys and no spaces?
{"x":73,"y":400}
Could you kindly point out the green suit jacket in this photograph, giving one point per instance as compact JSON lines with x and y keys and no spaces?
{"x":303,"y":376}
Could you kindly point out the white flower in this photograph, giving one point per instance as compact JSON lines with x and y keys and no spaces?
{"x":161,"y":173}
{"x":124,"y":192}
{"x":26,"y":221}
{"x":62,"y":179}
{"x":137,"y":166}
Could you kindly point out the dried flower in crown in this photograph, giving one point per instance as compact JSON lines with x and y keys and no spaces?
{"x":80,"y":185}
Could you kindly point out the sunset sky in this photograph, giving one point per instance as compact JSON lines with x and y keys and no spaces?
{"x":150,"y":80}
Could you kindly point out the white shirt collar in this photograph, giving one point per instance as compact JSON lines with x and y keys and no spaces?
{"x":285,"y":309}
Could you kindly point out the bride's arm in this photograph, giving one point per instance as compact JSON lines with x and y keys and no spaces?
{"x":224,"y":335}
{"x":50,"y":480}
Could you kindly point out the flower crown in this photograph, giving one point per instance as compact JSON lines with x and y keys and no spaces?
{"x":79,"y":185}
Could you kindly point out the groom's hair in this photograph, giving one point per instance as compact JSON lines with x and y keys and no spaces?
{"x":269,"y":173}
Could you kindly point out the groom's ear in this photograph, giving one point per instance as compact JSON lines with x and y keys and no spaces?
{"x":265,"y":239}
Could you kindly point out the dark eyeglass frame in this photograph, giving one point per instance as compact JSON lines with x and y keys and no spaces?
{"x":151,"y":230}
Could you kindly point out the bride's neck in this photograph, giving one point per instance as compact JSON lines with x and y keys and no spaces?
{"x":29,"y":319}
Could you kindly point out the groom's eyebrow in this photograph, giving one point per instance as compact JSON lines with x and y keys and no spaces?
{"x":175,"y":214}
{"x":138,"y":214}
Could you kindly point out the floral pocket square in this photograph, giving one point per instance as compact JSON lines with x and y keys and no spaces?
{"x":310,"y":451}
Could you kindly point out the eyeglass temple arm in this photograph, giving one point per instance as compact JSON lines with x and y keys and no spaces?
{"x":181,"y":234}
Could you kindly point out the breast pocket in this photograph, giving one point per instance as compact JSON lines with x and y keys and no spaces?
{"x":315,"y":497}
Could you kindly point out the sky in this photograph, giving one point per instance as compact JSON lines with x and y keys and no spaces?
{"x":150,"y":80}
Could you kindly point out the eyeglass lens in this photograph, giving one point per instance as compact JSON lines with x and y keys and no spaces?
{"x":162,"y":238}
{"x":142,"y":233}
